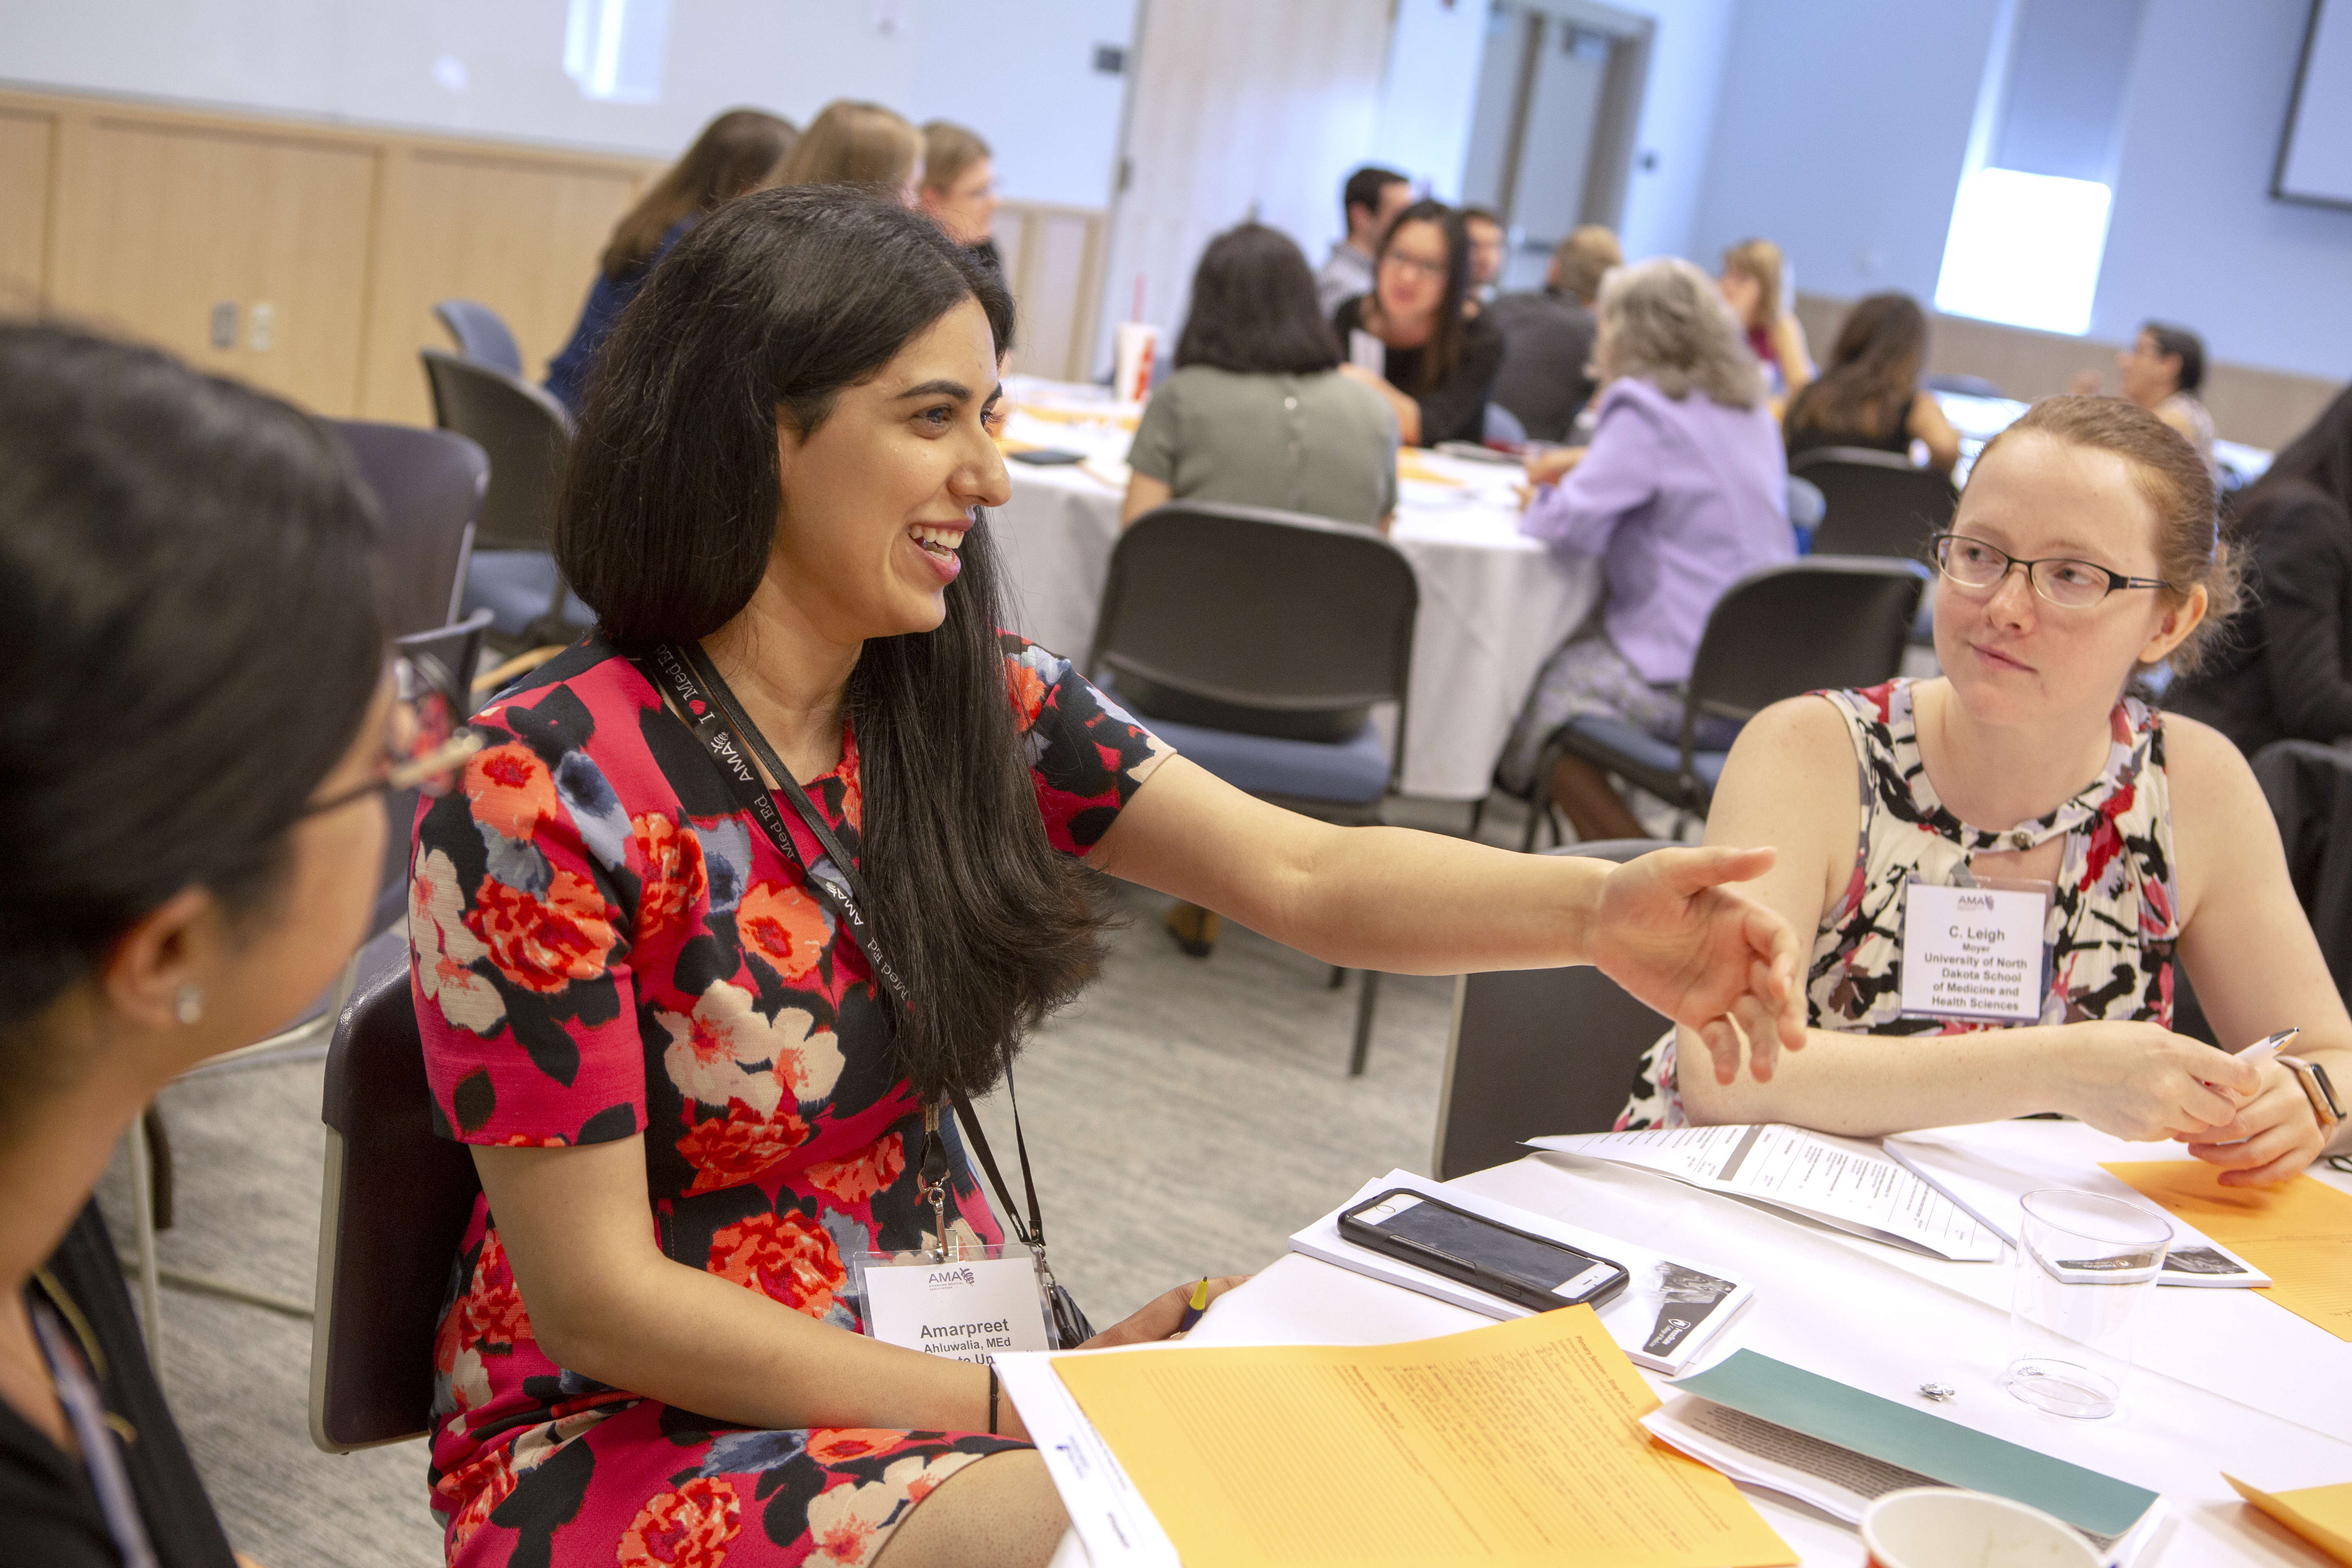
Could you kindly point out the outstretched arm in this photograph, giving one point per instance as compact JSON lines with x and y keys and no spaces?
{"x":1666,"y":927}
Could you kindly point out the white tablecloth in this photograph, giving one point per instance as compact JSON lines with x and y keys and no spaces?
{"x":1494,"y":604}
{"x":2224,"y":1379}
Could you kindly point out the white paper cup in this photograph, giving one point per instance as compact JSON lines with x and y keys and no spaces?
{"x":1134,"y":347}
{"x":1943,"y":1527}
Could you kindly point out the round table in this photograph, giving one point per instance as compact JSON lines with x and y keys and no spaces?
{"x":1494,"y":604}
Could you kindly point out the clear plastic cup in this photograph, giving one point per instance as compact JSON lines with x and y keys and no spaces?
{"x":2084,"y":1264}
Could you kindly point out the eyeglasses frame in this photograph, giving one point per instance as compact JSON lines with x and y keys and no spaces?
{"x":2117,"y":581}
{"x":462,"y":744}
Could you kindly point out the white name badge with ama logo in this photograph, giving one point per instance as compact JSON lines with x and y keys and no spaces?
{"x":1974,"y":953}
{"x":974,"y":1305}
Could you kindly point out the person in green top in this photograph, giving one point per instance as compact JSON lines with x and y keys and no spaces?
{"x":1255,"y":411}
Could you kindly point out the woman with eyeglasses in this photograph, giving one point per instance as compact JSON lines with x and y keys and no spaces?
{"x":199,"y":725}
{"x":699,"y":1066}
{"x":2083,"y":551}
{"x":1438,"y":354}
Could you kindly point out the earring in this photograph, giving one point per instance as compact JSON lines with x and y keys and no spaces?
{"x":189,"y":1004}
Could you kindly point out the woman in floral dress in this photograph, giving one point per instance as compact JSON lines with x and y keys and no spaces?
{"x":691,"y":1104}
{"x":2084,"y":549}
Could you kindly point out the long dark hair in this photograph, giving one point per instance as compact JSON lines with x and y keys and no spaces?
{"x":1254,"y":307}
{"x":769,"y":310}
{"x":191,"y":640}
{"x":1872,"y":377}
{"x":736,"y":152}
{"x":1444,"y":350}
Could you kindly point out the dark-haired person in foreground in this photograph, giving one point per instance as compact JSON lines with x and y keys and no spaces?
{"x":689,"y":1099}
{"x":1438,"y":359}
{"x":740,"y":150}
{"x":2282,"y":670}
{"x":200,"y":723}
{"x":1255,"y":411}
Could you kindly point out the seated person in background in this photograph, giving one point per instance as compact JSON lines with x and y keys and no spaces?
{"x":693,"y":1088}
{"x":740,"y":150}
{"x":2083,"y":550}
{"x":1754,"y":283}
{"x":1870,"y":394}
{"x":2162,"y":372}
{"x":1488,"y":244}
{"x":1437,"y":360}
{"x":1682,"y":493}
{"x":2281,"y":671}
{"x":1255,"y":411}
{"x":854,"y":143}
{"x":959,"y":190}
{"x":1547,"y":372}
{"x":1370,"y":202}
{"x":184,"y":888}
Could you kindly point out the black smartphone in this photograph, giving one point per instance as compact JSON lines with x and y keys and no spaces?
{"x":1530,"y":1271}
{"x":1047,"y":457}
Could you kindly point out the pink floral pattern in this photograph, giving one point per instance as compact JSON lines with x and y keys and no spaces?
{"x":604,"y":947}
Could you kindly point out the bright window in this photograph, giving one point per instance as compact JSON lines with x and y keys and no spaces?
{"x":2024,"y":249}
{"x":612,"y":48}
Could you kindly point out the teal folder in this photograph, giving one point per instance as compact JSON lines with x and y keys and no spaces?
{"x":1942,"y":1450}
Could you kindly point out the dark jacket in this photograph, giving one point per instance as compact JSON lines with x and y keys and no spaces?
{"x":1546,"y":351}
{"x":2284,"y":669}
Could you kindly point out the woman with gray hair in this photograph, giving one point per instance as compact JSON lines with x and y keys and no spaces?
{"x":1683,"y":491}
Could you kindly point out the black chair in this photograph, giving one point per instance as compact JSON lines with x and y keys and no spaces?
{"x":1539,"y":1051}
{"x":1257,"y":643}
{"x":2309,"y":787}
{"x":428,"y":487}
{"x":527,"y":437}
{"x":1825,"y":622}
{"x":393,"y":1209}
{"x":482,"y":334}
{"x":1879,"y":502}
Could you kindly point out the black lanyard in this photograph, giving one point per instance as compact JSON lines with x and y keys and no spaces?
{"x":726,"y":733}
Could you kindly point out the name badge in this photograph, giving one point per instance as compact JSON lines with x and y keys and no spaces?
{"x":966,"y":1308}
{"x":1973,"y":953}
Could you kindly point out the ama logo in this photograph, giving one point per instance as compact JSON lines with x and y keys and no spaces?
{"x":949,"y":1279}
{"x":1975,"y":902}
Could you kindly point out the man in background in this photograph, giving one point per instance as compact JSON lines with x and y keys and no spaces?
{"x":1546,"y":375}
{"x":1373,"y":197}
{"x":1486,"y":242}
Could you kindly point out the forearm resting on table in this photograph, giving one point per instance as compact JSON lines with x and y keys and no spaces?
{"x":1867,"y":1086}
{"x":605,"y":1302}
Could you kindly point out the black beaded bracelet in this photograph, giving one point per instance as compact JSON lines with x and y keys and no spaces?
{"x":992,"y":1387}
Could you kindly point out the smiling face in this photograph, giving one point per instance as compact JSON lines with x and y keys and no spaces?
{"x":878,"y":499}
{"x":2014,"y":657}
{"x":1412,"y":275}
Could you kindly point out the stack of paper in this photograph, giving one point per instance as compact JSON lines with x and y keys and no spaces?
{"x":1519,"y":1444}
{"x":1824,"y":1443}
{"x":1850,"y":1186}
{"x":1988,"y":1170}
{"x":1670,"y":1309}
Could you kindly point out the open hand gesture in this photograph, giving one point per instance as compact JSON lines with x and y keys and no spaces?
{"x":1713,"y":961}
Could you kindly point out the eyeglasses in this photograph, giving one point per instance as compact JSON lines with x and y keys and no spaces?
{"x":1420,"y":264}
{"x":425,"y":740}
{"x":2071,"y":585}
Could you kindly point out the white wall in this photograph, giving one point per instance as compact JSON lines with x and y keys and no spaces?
{"x":1018,"y":71}
{"x":2194,"y":235}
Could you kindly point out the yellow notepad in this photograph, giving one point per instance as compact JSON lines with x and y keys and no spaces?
{"x":2321,"y":1515}
{"x":2299,"y":1232}
{"x":1517,"y":1444}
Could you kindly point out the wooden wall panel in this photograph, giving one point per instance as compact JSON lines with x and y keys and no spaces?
{"x":518,"y":233}
{"x":161,"y":222}
{"x":2261,"y":407}
{"x":28,"y":139}
{"x":139,"y":219}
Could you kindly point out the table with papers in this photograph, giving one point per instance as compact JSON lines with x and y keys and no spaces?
{"x":1493,"y":604}
{"x":2225,"y":1380}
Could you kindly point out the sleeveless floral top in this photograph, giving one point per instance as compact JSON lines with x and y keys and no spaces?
{"x":2113,"y":913}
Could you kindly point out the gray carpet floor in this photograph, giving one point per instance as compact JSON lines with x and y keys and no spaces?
{"x":1184,"y":1117}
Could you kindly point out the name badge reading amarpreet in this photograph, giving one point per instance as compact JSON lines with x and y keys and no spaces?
{"x":967,"y":1307}
{"x":1974,"y":953}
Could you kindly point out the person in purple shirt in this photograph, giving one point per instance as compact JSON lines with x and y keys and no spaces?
{"x":1682,"y":491}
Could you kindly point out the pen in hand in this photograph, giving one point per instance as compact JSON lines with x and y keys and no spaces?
{"x":1194,"y":1308}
